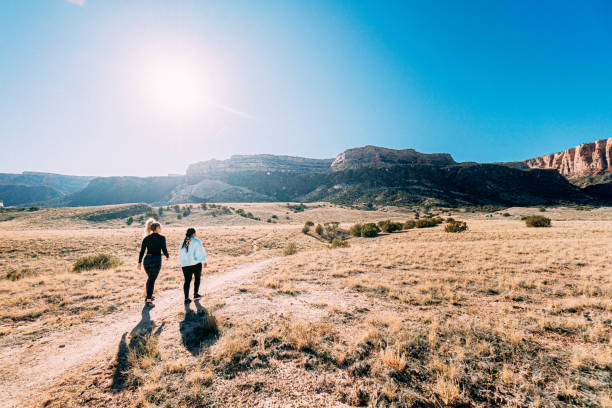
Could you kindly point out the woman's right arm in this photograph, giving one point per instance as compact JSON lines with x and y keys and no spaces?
{"x":143,"y":247}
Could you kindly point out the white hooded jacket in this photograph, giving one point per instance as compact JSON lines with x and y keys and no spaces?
{"x":193,"y":254}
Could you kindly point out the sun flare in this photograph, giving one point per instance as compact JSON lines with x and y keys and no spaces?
{"x":176,"y":88}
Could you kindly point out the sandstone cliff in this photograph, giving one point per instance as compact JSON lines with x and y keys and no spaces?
{"x":260,"y":162}
{"x":584,"y":160}
{"x":374,"y":156}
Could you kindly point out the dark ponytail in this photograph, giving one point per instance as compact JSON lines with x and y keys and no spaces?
{"x":190,"y":232}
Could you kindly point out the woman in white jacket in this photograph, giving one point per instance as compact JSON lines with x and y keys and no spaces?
{"x":192,"y":257}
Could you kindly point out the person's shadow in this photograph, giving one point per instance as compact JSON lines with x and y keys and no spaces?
{"x":139,"y":335}
{"x":198,"y":328}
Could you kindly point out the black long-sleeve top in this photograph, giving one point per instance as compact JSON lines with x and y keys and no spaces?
{"x":154,"y":244}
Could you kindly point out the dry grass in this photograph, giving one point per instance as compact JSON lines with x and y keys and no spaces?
{"x":499,"y":315}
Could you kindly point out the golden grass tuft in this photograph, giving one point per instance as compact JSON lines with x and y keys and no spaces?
{"x":100,"y":261}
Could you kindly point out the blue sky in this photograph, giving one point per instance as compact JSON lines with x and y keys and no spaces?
{"x":104,"y":87}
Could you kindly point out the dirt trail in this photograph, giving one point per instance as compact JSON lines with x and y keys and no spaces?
{"x":25,"y":370}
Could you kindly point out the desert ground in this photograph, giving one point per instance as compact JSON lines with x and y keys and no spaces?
{"x":498,"y":315}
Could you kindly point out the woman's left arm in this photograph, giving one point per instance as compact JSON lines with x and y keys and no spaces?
{"x":202,"y":253}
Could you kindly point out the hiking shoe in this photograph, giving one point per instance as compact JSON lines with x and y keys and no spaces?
{"x":149,"y":304}
{"x":197,"y":296}
{"x":187,"y":300}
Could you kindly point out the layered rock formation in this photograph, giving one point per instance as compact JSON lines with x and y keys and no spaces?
{"x":259,"y":162}
{"x":583,"y":160}
{"x":374,"y":156}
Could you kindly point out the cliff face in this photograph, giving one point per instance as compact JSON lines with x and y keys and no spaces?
{"x":374,"y":156}
{"x":260,"y":162}
{"x":583,"y":160}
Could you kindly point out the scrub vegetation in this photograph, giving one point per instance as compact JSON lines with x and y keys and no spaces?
{"x":498,"y":315}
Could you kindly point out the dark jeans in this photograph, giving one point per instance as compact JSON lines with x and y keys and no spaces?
{"x":152,"y":265}
{"x":188,"y":271}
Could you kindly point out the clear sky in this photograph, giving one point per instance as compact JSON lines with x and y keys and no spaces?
{"x":113,"y":87}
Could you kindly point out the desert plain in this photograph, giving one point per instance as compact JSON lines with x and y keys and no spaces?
{"x":498,"y":315}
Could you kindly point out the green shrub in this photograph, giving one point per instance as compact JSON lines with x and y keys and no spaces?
{"x":297,"y":208}
{"x":537,"y":221}
{"x":456,"y":226}
{"x":390,"y":226}
{"x":319,"y":229}
{"x":179,"y":216}
{"x":160,"y":211}
{"x":290,"y":249}
{"x":506,"y":214}
{"x":450,"y":220}
{"x":305,"y":229}
{"x":340,"y":243}
{"x":542,"y":209}
{"x":186,"y":211}
{"x":309,"y":223}
{"x":428,"y":222}
{"x":331,"y":230}
{"x":33,"y":208}
{"x":355,"y":230}
{"x":244,"y":214}
{"x":130,"y":220}
{"x":369,"y":230}
{"x":203,"y":206}
{"x":150,"y":212}
{"x":410,"y":224}
{"x":100,"y":261}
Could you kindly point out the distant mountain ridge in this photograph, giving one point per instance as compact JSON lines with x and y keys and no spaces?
{"x":36,"y":187}
{"x":62,"y":183}
{"x":18,"y":194}
{"x":363,"y":175}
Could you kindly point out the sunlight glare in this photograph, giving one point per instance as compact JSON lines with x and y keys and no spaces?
{"x":176,"y":88}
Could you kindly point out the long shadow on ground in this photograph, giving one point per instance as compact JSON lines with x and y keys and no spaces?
{"x":198,"y":329}
{"x":140,"y":334}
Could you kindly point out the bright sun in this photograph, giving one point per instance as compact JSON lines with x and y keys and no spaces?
{"x":176,"y":88}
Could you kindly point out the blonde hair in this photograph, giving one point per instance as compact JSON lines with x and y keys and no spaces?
{"x":150,"y":226}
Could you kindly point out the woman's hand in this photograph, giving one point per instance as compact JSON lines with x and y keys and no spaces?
{"x":139,"y":266}
{"x":167,"y":258}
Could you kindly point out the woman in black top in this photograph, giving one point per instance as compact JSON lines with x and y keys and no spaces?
{"x":154,"y":244}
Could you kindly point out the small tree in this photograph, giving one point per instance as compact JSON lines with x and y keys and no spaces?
{"x":369,"y":230}
{"x":319,"y":229}
{"x":410,"y":224}
{"x":456,"y":226}
{"x":150,"y":212}
{"x":390,"y":226}
{"x":340,"y":243}
{"x":537,"y":221}
{"x":331,"y":230}
{"x":130,"y":220}
{"x":355,"y":230}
